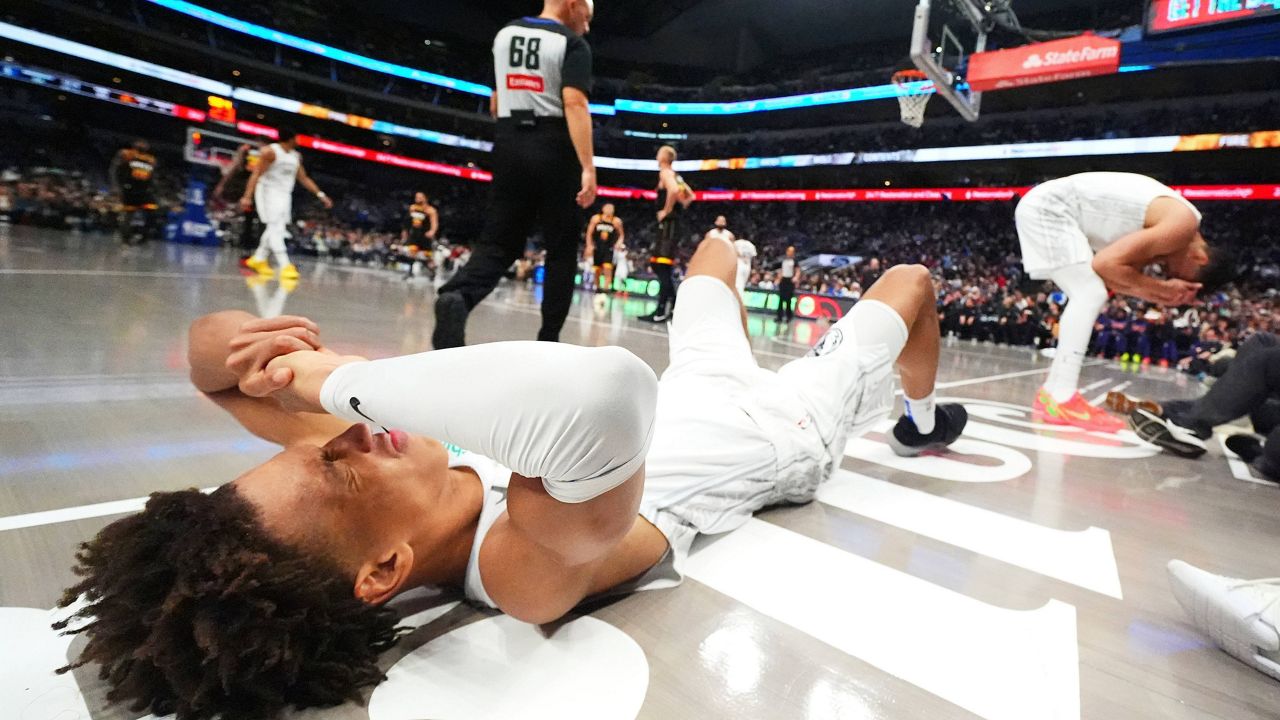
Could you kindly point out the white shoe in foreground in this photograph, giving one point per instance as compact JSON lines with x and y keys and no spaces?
{"x":1241,"y":616}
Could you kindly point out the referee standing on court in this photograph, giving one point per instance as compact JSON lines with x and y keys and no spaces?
{"x":542,"y":159}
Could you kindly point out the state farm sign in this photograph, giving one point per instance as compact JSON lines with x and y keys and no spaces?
{"x":1068,"y":59}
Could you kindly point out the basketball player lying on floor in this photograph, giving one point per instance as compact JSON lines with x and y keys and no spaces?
{"x":271,"y":591}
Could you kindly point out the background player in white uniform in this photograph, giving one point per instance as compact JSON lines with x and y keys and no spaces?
{"x":605,"y":493}
{"x":746,"y":256}
{"x":721,"y":230}
{"x":1098,"y":231}
{"x":270,"y":189}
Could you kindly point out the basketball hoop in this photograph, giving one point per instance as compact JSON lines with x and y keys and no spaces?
{"x":912,"y":95}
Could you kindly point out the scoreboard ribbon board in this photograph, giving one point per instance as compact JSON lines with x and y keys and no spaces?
{"x":1169,"y":15}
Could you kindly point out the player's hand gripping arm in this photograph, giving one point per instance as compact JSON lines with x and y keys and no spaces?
{"x":550,"y":412}
{"x":1121,"y":264}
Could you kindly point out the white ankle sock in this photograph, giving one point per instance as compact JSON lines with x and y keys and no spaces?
{"x":921,"y":412}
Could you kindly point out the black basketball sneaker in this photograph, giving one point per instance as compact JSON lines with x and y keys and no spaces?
{"x":949,"y":423}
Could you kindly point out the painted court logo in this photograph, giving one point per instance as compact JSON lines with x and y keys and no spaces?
{"x":828,"y":344}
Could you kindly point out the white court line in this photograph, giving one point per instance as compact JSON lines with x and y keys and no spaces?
{"x":1098,"y":400}
{"x":997,"y":663}
{"x":122,"y":273}
{"x":1239,"y":468}
{"x":1084,"y":559}
{"x":1002,"y":376}
{"x":1094,"y":385}
{"x":81,"y":512}
{"x":990,"y":378}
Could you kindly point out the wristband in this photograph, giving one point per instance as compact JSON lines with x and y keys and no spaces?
{"x":320,"y":195}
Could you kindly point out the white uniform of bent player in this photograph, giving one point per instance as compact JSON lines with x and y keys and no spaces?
{"x":1064,"y":222}
{"x":273,"y":198}
{"x":746,"y":256}
{"x":1061,"y":225}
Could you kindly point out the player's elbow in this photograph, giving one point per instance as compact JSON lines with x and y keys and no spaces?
{"x":1104,"y":267}
{"x":624,"y":398}
{"x":214,"y":329}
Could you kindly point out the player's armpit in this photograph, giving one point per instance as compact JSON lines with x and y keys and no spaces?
{"x":579,"y":532}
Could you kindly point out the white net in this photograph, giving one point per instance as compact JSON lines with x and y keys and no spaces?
{"x":913,"y":96}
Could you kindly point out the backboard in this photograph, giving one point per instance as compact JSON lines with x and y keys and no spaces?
{"x":942,"y":39}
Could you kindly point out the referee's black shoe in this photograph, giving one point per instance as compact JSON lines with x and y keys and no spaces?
{"x":451,"y":322}
{"x":949,"y":422}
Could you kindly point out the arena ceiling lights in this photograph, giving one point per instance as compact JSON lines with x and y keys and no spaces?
{"x":13,"y":71}
{"x":1071,"y":148}
{"x":740,"y":107}
{"x":254,"y":97}
{"x":297,"y":43}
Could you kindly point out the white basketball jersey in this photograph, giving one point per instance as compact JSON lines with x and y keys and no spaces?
{"x":281,"y":175}
{"x":746,"y":254}
{"x":721,"y":234}
{"x":1111,"y":205}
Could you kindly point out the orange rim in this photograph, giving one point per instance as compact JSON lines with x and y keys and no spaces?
{"x":907,"y":76}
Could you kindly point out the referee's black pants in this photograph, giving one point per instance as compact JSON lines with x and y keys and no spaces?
{"x":786,"y":293}
{"x":536,"y":178}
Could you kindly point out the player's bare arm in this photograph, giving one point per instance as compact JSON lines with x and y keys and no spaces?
{"x":311,"y":187}
{"x":552,"y":547}
{"x":1121,"y":265}
{"x":224,"y":347}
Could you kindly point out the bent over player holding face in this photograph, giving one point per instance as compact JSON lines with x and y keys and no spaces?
{"x":1097,"y":231}
{"x":270,"y":591}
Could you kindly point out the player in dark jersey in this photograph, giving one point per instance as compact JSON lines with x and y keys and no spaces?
{"x":132,"y":171}
{"x":543,"y":162}
{"x":418,"y":238}
{"x":421,"y":222}
{"x":674,"y":195}
{"x":605,"y":235}
{"x":229,"y":190}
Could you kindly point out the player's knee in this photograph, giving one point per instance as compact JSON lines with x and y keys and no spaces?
{"x":910,"y":278}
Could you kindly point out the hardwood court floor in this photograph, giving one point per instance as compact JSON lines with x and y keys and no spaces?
{"x":1021,"y":578}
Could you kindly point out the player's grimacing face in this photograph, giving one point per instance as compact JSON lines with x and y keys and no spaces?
{"x":355,"y":493}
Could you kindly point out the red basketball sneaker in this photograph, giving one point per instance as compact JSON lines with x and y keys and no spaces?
{"x":1076,"y":412}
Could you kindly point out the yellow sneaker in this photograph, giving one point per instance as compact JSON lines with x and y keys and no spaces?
{"x":262,"y":267}
{"x":289,"y":272}
{"x":288,"y":284}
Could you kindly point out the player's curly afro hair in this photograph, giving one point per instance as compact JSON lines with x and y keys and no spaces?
{"x":190,"y":608}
